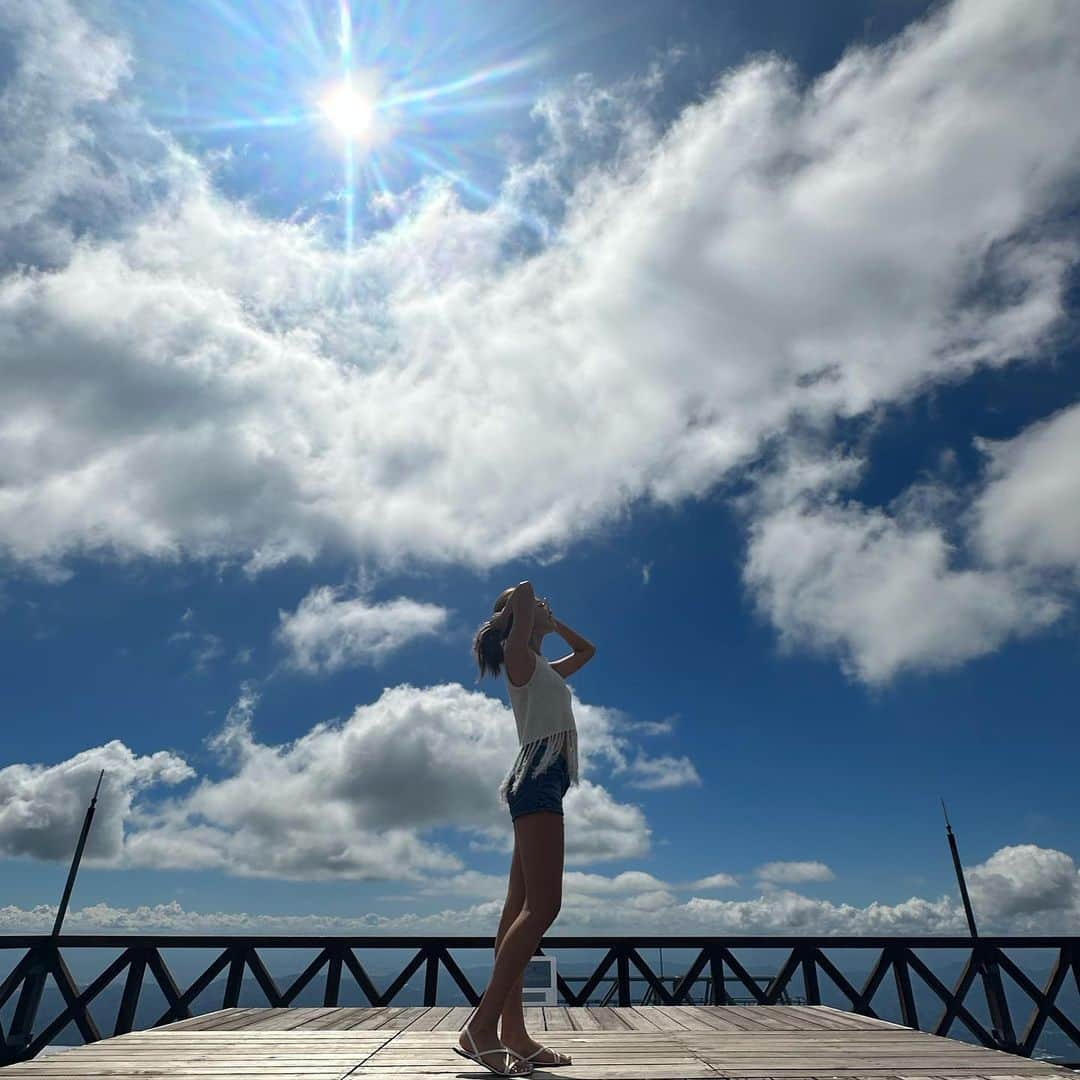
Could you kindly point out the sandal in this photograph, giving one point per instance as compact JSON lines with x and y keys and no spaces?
{"x":549,"y":1064}
{"x":478,"y":1056}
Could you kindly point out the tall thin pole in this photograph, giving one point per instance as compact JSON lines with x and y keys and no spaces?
{"x":960,"y":874}
{"x":1000,"y":1021}
{"x":77,"y":859}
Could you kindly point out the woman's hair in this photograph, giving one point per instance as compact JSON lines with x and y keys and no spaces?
{"x":488,"y":642}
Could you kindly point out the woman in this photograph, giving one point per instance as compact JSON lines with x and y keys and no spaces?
{"x":546,"y":766}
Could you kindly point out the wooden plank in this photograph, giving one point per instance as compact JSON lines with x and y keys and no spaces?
{"x":238,"y":1020}
{"x":769,"y":1018}
{"x":384,"y":1019}
{"x":534,"y":1020}
{"x":430,"y":1020}
{"x":722,"y":1018}
{"x":609,"y":1019}
{"x":329,"y":1019}
{"x":810,"y":1018}
{"x":399,"y":1018}
{"x":582,"y":1018}
{"x":653,"y":1042}
{"x":555,"y":1018}
{"x":742,"y":1015}
{"x":864,"y":1021}
{"x":658,"y":1017}
{"x":281,"y":1019}
{"x":455,"y":1019}
{"x":203,"y":1019}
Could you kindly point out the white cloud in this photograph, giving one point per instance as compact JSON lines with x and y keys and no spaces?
{"x":944,"y":573}
{"x":52,"y":151}
{"x":630,"y":764}
{"x":242,"y":390}
{"x":42,"y":807}
{"x":205,"y":646}
{"x":328,"y":805}
{"x":1029,"y":513}
{"x":1025,"y":880}
{"x":325,"y":633}
{"x":884,"y":595}
{"x":655,"y":773}
{"x":789,"y":873}
{"x":716,"y":881}
{"x":1022,"y":889}
{"x":650,"y":727}
{"x":629,"y":882}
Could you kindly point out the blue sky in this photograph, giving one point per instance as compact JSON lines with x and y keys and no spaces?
{"x":746,"y":334}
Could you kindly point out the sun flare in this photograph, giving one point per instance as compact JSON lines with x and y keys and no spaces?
{"x":351,"y":111}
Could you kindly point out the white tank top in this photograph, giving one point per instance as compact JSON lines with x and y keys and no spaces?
{"x":543,"y":715}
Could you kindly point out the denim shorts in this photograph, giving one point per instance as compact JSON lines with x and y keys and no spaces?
{"x":543,"y":792}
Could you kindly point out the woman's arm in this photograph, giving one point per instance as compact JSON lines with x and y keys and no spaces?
{"x":500,"y":620}
{"x":573,"y":639}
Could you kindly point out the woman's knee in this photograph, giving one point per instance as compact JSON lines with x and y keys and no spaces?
{"x":544,"y":909}
{"x":547,"y":903}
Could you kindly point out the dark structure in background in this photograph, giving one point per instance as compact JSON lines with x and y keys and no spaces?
{"x":40,"y":963}
{"x":77,"y":858}
{"x":1001,"y":1022}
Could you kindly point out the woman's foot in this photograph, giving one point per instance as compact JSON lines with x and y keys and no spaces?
{"x":497,"y":1062}
{"x":526,"y":1046}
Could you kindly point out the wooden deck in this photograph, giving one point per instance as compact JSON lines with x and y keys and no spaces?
{"x":650,"y":1042}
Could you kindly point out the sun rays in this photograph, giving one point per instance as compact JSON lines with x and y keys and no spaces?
{"x":390,"y":95}
{"x":351,"y":112}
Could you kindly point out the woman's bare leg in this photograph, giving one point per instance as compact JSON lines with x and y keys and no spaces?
{"x":512,"y":1019}
{"x":539,"y":839}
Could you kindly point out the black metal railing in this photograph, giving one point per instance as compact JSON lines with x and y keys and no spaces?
{"x":36,"y":959}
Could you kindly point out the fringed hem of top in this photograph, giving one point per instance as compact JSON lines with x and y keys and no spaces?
{"x":553,"y":747}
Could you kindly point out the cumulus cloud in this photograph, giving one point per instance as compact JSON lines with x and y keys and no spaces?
{"x":193,"y":380}
{"x":787,"y":873}
{"x":329,"y":804}
{"x":885,"y":590}
{"x":52,"y":149}
{"x":716,"y":881}
{"x":42,"y":807}
{"x":849,"y":579}
{"x":1029,"y":513}
{"x":1027,"y":881}
{"x":1021,"y":889}
{"x":327,"y":633}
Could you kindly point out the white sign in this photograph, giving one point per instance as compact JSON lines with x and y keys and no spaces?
{"x":538,"y":983}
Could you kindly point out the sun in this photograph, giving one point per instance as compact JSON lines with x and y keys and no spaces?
{"x":351,"y":110}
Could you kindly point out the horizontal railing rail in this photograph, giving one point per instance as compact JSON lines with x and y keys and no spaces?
{"x":31,"y":960}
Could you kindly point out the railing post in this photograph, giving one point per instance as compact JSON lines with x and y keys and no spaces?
{"x":998,"y":1007}
{"x":623,"y":968}
{"x":431,"y":976}
{"x":809,"y":975}
{"x":333,"y":978}
{"x":717,"y":989}
{"x":908,"y":1013}
{"x":26,"y":1008}
{"x":235,"y":979}
{"x":125,"y":1017}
